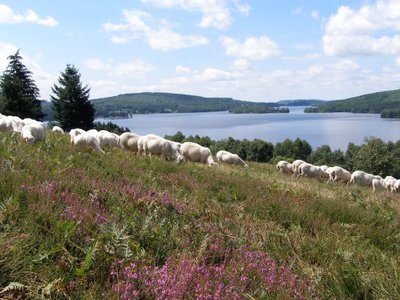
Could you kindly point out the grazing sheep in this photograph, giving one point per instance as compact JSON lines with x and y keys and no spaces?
{"x":106,"y":138}
{"x":155,"y":145}
{"x":295,"y":166}
{"x":129,"y":141}
{"x":57,"y":129}
{"x":337,"y":173}
{"x":18,"y":124}
{"x":324,"y":167}
{"x":363,"y":178}
{"x":284,"y":167}
{"x":389,"y":183}
{"x":309,"y":170}
{"x":7,"y":123}
{"x":33,"y":132}
{"x":143,"y":141}
{"x":377,"y":184}
{"x":230,"y":158}
{"x":396,"y":186}
{"x":75,"y":132}
{"x":87,"y":139}
{"x":197,"y":153}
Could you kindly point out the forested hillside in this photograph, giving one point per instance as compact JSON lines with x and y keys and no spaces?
{"x":370,"y":103}
{"x":123,"y":105}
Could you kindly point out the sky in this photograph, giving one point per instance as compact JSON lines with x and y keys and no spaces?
{"x":251,"y":50}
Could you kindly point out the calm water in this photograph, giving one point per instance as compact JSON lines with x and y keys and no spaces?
{"x":334,"y":129}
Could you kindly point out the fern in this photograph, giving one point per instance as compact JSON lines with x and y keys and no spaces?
{"x":13,"y":286}
{"x":117,"y":241}
{"x":90,"y":256}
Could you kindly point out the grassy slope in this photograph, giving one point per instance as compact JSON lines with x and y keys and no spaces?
{"x":369,"y":103}
{"x":344,"y":240}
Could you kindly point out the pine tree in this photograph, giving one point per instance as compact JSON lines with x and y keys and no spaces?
{"x":71,"y":101}
{"x":18,"y":91}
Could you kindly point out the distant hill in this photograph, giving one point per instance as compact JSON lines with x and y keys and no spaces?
{"x":301,"y":102}
{"x":143,"y":103}
{"x":378,"y":103}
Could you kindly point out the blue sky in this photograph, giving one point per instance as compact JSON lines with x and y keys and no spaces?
{"x":244,"y":49}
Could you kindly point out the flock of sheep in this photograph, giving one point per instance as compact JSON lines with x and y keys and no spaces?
{"x":32,"y":131}
{"x":333,"y":174}
{"x":150,"y":144}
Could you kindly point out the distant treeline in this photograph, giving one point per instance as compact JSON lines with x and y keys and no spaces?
{"x":385,"y":103}
{"x":143,"y":103}
{"x":374,"y":155}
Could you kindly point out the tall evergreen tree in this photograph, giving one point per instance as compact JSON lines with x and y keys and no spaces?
{"x":70,"y":101}
{"x":18,"y":91}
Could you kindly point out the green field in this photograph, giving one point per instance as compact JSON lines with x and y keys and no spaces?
{"x":75,"y":224}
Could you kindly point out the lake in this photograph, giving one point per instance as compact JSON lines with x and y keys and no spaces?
{"x":333,"y":129}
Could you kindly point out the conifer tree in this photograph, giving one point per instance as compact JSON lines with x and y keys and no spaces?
{"x":18,"y":91}
{"x":70,"y":101}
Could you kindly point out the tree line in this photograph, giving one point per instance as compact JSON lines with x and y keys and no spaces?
{"x":142,"y":103}
{"x":386,"y":103}
{"x":373,"y":155}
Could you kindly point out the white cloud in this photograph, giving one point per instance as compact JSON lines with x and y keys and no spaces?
{"x":97,"y":64}
{"x":161,"y":38}
{"x":135,"y":68}
{"x":166,"y":40}
{"x":297,"y":11}
{"x":116,"y":39}
{"x":212,"y":74}
{"x":253,"y":48}
{"x":7,"y":16}
{"x":241,"y":64}
{"x":326,"y":80}
{"x":373,"y":29}
{"x":243,"y":9}
{"x":315,"y":15}
{"x":215,"y":13}
{"x":182,"y":69}
{"x":308,"y":56}
{"x":397,"y":61}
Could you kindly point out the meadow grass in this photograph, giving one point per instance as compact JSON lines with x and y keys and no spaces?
{"x":78,"y":224}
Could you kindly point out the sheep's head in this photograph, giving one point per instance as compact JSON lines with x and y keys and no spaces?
{"x":180,"y":159}
{"x":30,"y":140}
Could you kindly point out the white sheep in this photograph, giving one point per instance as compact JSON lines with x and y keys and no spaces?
{"x":155,"y":145}
{"x":377,"y":184}
{"x":197,"y":153}
{"x":57,"y":129}
{"x":230,"y":158}
{"x":389,"y":183}
{"x":33,"y":132}
{"x":129,"y":141}
{"x":363,"y":178}
{"x":396,"y":186}
{"x":284,"y":167}
{"x":142,"y":143}
{"x":87,"y":139}
{"x":18,"y":124}
{"x":324,"y":167}
{"x":295,"y":166}
{"x":337,"y":173}
{"x":309,"y":170}
{"x":106,"y":138}
{"x":7,"y":123}
{"x":75,"y":132}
